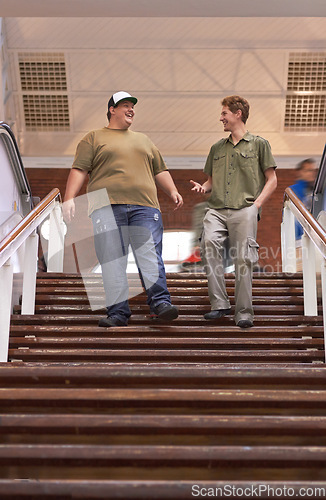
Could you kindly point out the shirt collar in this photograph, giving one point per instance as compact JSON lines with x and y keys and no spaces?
{"x":247,"y":137}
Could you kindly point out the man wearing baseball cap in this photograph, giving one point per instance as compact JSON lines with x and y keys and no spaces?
{"x":124,"y":168}
{"x":121,"y":96}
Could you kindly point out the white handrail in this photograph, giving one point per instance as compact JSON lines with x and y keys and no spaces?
{"x":24,"y":238}
{"x":313,"y":245}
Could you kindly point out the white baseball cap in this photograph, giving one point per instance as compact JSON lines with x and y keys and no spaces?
{"x":120,"y":96}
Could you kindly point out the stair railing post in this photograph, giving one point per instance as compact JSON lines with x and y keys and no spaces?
{"x":30,"y":271}
{"x":289,"y":264}
{"x":56,"y":240}
{"x":6,"y":283}
{"x":309,"y":276}
{"x":323,"y":294}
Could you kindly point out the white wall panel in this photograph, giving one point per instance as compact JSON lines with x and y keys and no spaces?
{"x":88,"y":112}
{"x":157,"y":70}
{"x":106,"y":71}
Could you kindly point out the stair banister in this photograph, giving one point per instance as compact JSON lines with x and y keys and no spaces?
{"x":310,"y":225}
{"x":24,"y":237}
{"x":314,"y":237}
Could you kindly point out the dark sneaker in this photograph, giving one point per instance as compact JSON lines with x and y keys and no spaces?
{"x":245,"y":323}
{"x":219,"y":313}
{"x":112,"y":321}
{"x":166,"y":312}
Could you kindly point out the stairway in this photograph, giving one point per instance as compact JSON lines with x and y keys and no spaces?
{"x":163,"y":411}
{"x":64,"y":328}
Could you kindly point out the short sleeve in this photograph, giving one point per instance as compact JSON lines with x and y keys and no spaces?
{"x":266,"y":159}
{"x":158,"y":162}
{"x":84,"y":155}
{"x":208,"y":169}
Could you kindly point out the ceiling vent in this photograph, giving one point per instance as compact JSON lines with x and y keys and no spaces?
{"x":307,"y":72}
{"x":46,"y":112}
{"x":305,"y":113}
{"x":305,"y":109}
{"x":44,"y":91}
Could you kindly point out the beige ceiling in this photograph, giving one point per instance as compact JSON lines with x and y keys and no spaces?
{"x":178,"y":66}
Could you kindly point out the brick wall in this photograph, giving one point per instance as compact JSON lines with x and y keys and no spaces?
{"x":43,"y":180}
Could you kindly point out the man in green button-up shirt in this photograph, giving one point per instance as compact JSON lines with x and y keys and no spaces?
{"x":241,"y":177}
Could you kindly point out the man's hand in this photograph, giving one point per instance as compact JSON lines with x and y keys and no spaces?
{"x":178,"y":200}
{"x":198,"y":188}
{"x":76,"y":179}
{"x":68,"y":210}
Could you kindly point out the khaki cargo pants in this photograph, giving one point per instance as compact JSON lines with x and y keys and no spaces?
{"x":240,"y":226}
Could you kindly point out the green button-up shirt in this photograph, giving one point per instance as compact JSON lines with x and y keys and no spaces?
{"x":237,"y":171}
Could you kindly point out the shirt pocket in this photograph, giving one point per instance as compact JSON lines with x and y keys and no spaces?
{"x":219,"y":160}
{"x":247,"y":158}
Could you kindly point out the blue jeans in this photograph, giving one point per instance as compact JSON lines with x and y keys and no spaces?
{"x":115,"y":228}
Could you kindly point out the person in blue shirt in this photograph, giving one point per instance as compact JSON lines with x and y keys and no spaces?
{"x":306,"y":174}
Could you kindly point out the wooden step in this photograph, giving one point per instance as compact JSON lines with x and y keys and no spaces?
{"x":243,"y":341}
{"x":156,"y":490}
{"x":162,"y":456}
{"x":212,"y":330}
{"x":182,"y":291}
{"x":174,"y":276}
{"x":190,"y":400}
{"x":195,"y":375}
{"x":184,"y":310}
{"x":145,"y":427}
{"x":166,"y":356}
{"x":185,"y":300}
{"x":183,"y":320}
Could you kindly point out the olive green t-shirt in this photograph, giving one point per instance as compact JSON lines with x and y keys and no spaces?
{"x":122,"y":162}
{"x":237,"y":171}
